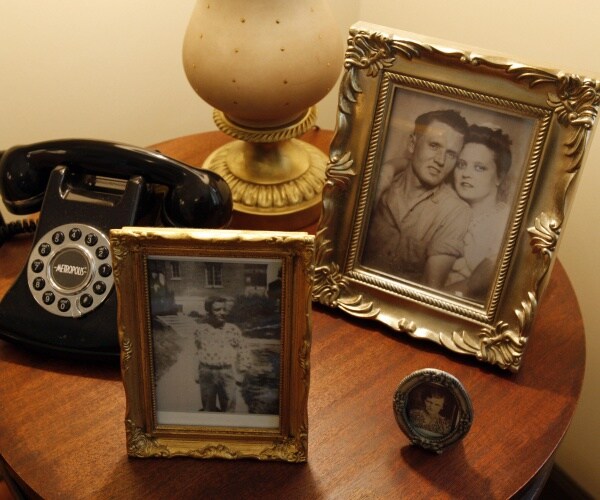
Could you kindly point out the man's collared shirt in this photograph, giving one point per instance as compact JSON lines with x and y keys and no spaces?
{"x":403,"y":234}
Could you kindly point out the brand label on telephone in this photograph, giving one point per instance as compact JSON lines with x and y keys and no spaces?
{"x":70,"y":269}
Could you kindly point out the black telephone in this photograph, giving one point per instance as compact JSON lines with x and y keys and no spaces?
{"x":63,"y":300}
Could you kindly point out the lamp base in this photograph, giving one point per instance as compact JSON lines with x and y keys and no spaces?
{"x":276,"y":180}
{"x":275,"y":185}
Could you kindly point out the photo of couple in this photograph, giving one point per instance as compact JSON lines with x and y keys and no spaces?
{"x":443,"y":198}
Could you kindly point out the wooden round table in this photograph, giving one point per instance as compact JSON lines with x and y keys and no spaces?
{"x":62,"y":433}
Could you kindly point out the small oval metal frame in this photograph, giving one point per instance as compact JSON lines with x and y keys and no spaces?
{"x":461,"y":423}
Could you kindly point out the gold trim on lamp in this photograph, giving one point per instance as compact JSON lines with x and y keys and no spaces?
{"x":276,"y":180}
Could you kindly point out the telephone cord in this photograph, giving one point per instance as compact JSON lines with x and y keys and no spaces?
{"x":7,"y":231}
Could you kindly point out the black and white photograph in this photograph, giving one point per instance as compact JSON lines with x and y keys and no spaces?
{"x":449,"y":174}
{"x":216,"y":340}
{"x":432,"y":410}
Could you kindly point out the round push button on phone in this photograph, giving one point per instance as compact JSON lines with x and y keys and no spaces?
{"x":39,"y":283}
{"x":58,"y":237}
{"x":75,"y":234}
{"x":44,"y":249}
{"x":64,"y":305}
{"x":105,"y":270}
{"x":48,"y":298}
{"x":99,"y":287}
{"x":86,"y":300}
{"x":102,"y":252}
{"x":37,"y":266}
{"x":70,"y":269}
{"x":91,"y":239}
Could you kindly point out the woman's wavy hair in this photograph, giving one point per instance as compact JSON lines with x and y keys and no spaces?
{"x":499,"y":144}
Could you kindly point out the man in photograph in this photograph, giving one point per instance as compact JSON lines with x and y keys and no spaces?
{"x":418,"y":225}
{"x":222,"y":354}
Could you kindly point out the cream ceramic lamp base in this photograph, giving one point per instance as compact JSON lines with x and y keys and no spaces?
{"x":263,"y":64}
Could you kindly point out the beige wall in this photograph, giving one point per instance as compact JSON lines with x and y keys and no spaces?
{"x":111,"y":70}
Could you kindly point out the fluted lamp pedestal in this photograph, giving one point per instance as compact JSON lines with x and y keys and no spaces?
{"x":276,"y":180}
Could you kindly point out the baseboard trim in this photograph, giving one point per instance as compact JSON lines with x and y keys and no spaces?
{"x":561,"y":485}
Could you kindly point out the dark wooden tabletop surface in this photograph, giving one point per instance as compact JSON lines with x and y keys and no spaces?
{"x":62,"y":433}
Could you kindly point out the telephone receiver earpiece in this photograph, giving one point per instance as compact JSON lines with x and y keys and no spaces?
{"x":194,"y":198}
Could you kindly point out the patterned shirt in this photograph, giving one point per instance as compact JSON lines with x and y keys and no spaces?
{"x":423,"y":420}
{"x":221,"y":347}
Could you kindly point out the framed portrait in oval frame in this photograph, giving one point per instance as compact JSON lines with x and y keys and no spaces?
{"x":433,"y":409}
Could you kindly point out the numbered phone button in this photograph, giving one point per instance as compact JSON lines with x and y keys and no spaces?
{"x":99,"y":287}
{"x":58,"y":237}
{"x":64,"y":305}
{"x":75,"y":234}
{"x":91,"y":239}
{"x":105,"y":270}
{"x":86,"y":300}
{"x":37,"y":266}
{"x":39,"y":283}
{"x":102,"y":252}
{"x":44,"y":249}
{"x":48,"y":298}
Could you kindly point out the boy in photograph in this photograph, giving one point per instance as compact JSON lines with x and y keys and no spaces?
{"x":221,"y":353}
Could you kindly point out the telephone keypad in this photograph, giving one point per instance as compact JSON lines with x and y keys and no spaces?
{"x":64,"y":305}
{"x":48,"y":298}
{"x":86,"y":300}
{"x":68,"y":277}
{"x":105,"y":270}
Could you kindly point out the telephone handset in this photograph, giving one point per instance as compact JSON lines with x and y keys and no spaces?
{"x":63,"y":300}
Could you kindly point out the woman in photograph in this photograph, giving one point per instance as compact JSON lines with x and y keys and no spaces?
{"x":480,"y":178}
{"x":429,"y":417}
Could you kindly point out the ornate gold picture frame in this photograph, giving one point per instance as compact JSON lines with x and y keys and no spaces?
{"x":433,"y":409}
{"x":215,"y":334}
{"x":447,"y":190}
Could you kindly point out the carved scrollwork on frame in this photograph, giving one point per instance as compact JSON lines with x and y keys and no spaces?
{"x":340,"y":171}
{"x":332,"y":289}
{"x":391,"y":78}
{"x":371,"y":53}
{"x":290,"y":449}
{"x":544,"y":234}
{"x":141,"y":444}
{"x":126,"y":350}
